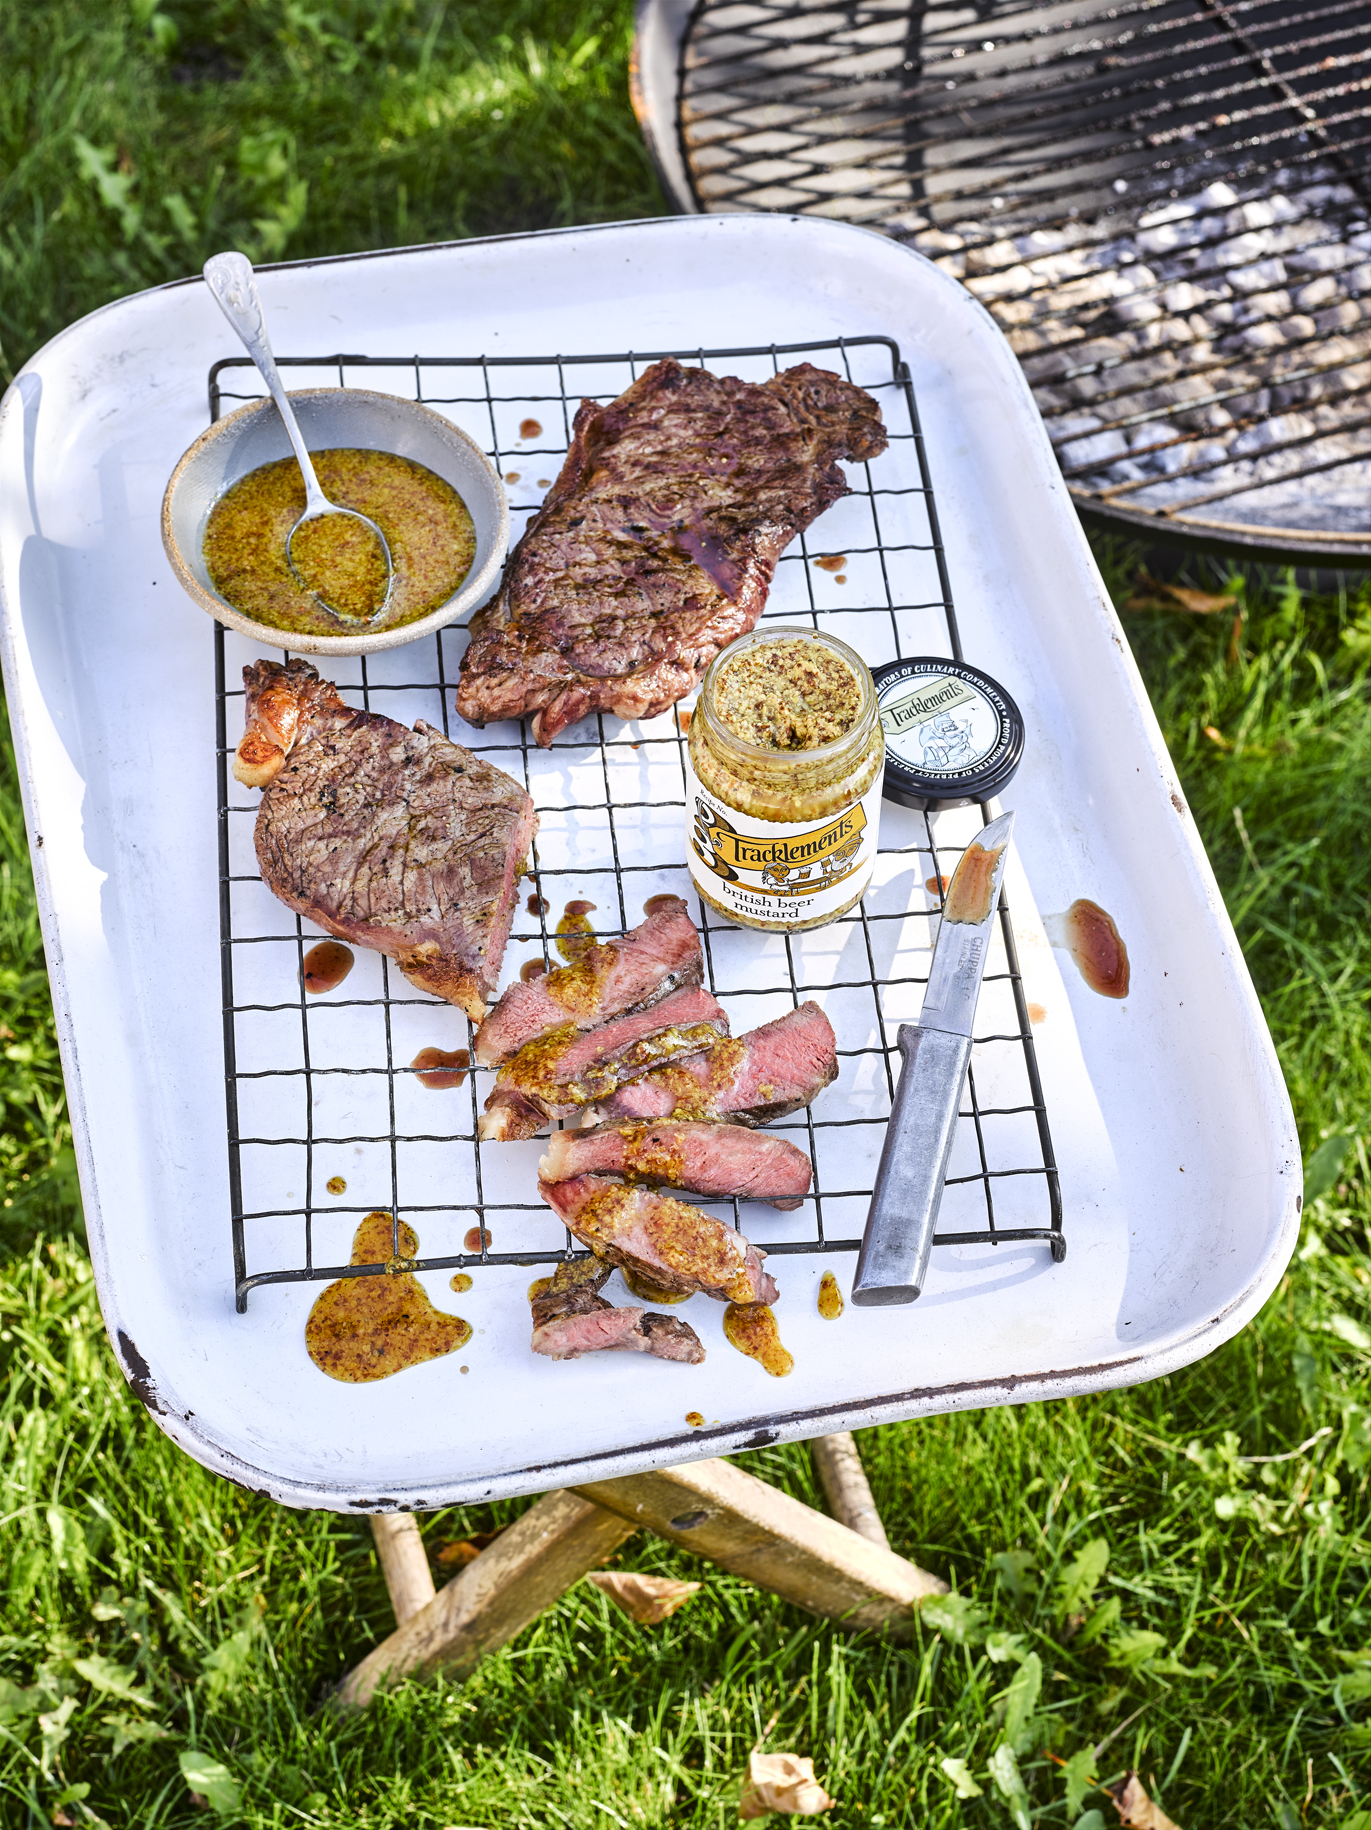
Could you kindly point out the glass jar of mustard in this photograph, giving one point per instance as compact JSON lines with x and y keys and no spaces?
{"x":783,"y":780}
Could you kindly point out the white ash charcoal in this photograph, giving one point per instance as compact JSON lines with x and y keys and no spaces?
{"x":1269,"y":304}
{"x":1219,"y":316}
{"x":1361,"y":240}
{"x":993,"y":257}
{"x":1097,"y":449}
{"x":1299,"y":329}
{"x":1137,"y":311}
{"x":1325,"y":257}
{"x":1176,"y":211}
{"x":1241,"y":250}
{"x":1317,"y":292}
{"x":1262,"y":336}
{"x":989,"y":286}
{"x":1319,"y":196}
{"x":1041,"y":242}
{"x":1359,"y":278}
{"x":1218,"y":196}
{"x":1339,"y":317}
{"x":955,"y":264}
{"x":1260,"y":277}
{"x":1277,"y":431}
{"x":1258,"y":214}
{"x":1183,"y":297}
{"x":1284,"y":209}
{"x":938,"y":241}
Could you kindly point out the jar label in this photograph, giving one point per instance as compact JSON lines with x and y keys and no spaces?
{"x":780,"y":871}
{"x":939,"y":725}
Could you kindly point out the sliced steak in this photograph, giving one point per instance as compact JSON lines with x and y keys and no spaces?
{"x":656,"y":545}
{"x":570,"y":1318}
{"x":749,"y":1079}
{"x":604,"y":981}
{"x":714,"y":1160}
{"x":667,"y":1243}
{"x":560,"y":1073}
{"x":392,"y":839}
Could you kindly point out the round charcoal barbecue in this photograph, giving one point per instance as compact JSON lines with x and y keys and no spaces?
{"x":1164,"y":203}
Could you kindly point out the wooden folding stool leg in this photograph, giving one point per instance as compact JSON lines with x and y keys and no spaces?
{"x":710,"y":1507}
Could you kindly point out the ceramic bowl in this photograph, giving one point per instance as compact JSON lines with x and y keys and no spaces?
{"x":352,"y":417}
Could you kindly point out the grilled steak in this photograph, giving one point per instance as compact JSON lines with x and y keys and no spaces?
{"x":656,"y":545}
{"x":558,"y":1074}
{"x":714,"y":1160}
{"x":392,"y":839}
{"x":749,"y":1079}
{"x":570,"y":1318}
{"x":603,"y":981}
{"x":667,"y":1243}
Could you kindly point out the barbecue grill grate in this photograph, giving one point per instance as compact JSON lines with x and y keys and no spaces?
{"x":1163,"y":202}
{"x":320,"y":1085}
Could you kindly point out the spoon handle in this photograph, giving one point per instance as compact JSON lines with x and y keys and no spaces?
{"x":231,"y":279}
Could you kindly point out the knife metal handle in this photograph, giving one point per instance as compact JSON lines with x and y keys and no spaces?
{"x":909,"y":1182}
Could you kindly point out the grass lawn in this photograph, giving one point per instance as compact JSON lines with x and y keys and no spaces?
{"x":1176,"y":1576}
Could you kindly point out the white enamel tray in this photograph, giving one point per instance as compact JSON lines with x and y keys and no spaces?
{"x":1179,"y":1164}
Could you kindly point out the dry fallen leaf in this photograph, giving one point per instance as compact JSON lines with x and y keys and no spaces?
{"x":1151,"y":594}
{"x":1135,"y":1808}
{"x":1215,"y":735}
{"x":646,"y":1599}
{"x":466,"y":1550}
{"x":785,"y":1783}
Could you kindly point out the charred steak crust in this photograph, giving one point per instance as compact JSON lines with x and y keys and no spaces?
{"x":392,"y":839}
{"x":656,"y":545}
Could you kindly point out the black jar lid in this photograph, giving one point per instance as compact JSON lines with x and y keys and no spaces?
{"x":952,"y":734}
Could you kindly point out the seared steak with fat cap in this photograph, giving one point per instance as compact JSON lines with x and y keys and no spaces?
{"x":392,"y":839}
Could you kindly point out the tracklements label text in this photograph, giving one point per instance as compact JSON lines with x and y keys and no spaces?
{"x":779,"y":871}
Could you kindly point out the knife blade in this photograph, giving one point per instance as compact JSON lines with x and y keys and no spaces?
{"x":934,"y":1053}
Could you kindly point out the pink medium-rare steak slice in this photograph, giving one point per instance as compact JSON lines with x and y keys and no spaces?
{"x":562,"y":1072}
{"x":668,"y":1243}
{"x":656,"y":545}
{"x":392,"y":839}
{"x":571,"y":1318}
{"x":748,"y":1079}
{"x":714,"y":1160}
{"x":603,"y":981}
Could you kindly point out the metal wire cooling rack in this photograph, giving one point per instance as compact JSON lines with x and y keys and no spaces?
{"x":317,"y":1084}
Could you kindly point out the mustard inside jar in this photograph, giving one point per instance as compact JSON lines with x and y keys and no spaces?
{"x":784,"y":774}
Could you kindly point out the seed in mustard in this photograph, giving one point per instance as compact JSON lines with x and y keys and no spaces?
{"x":794,"y":694}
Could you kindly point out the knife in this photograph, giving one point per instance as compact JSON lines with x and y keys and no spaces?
{"x":934,"y":1053}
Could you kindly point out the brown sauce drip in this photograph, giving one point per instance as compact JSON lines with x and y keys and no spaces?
{"x":695,"y":1419}
{"x":574,"y":931}
{"x":937,"y":885}
{"x":459,"y":1282}
{"x":683,"y":718}
{"x":545,"y":482}
{"x":973,"y":885}
{"x":535,"y":904}
{"x":364,"y":1328}
{"x":440,"y":1067}
{"x":326,"y":966}
{"x":841,"y":579}
{"x":336,"y":1185}
{"x":511,"y":476}
{"x":530,"y":428}
{"x":831,"y":562}
{"x":751,"y":1328}
{"x":476,"y":1239}
{"x":656,"y":904}
{"x":532,"y":969}
{"x":830,"y":1297}
{"x":1037,"y":1013}
{"x":649,"y":1292}
{"x":1097,"y":948}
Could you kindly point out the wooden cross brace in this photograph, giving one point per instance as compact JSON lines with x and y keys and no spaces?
{"x":844,"y":1571}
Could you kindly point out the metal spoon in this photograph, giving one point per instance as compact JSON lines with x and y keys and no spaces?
{"x":231,"y":279}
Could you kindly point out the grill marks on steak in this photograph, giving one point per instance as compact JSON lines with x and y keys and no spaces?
{"x":668,"y":1243}
{"x":564,"y":1071}
{"x":571,"y":1318}
{"x":391,"y":839}
{"x":604,"y":981}
{"x":749,"y":1079}
{"x":713,"y":1160}
{"x":656,"y":545}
